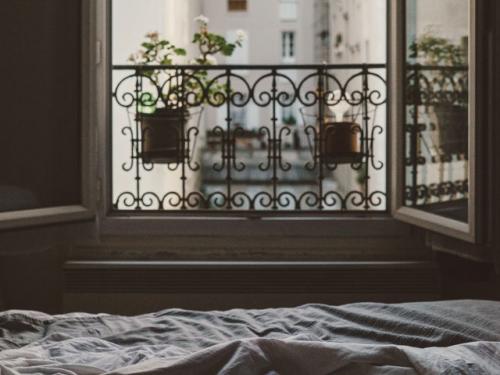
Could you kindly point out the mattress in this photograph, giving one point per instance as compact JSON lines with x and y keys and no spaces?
{"x":448,"y":337}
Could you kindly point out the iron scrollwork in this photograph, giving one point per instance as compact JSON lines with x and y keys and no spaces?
{"x":315,"y":89}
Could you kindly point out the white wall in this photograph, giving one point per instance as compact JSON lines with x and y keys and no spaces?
{"x":361,"y":25}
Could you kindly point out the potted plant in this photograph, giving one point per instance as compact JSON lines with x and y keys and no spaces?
{"x":445,"y":89}
{"x":163,"y":122}
{"x":341,"y":143}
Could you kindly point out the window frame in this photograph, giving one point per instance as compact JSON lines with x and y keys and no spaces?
{"x":288,"y":46}
{"x":219,"y":224}
{"x":86,"y":210}
{"x":432,"y":222}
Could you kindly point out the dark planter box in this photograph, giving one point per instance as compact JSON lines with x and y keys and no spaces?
{"x":452,"y":123}
{"x":342,"y":143}
{"x":162,"y":135}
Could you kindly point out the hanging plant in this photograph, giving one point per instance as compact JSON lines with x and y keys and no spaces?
{"x":163,"y":121}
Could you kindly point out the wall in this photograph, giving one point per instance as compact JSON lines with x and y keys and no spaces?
{"x":358,"y":35}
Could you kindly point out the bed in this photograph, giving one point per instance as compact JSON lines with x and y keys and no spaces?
{"x":449,"y":337}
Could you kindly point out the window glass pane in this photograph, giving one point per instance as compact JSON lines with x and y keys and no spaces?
{"x":437,"y":107}
{"x":268,"y":136}
{"x":40,"y":141}
{"x":288,"y":45}
{"x":288,"y":10}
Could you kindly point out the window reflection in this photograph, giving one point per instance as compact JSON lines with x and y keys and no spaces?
{"x":437,"y":109}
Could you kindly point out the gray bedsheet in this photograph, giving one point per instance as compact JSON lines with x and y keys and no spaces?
{"x":455,"y":337}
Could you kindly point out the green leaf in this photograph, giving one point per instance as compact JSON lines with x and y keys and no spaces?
{"x":228,"y":49}
{"x":180,"y":52}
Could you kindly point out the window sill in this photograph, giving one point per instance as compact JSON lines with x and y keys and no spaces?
{"x":374,"y":225}
{"x":44,"y":216}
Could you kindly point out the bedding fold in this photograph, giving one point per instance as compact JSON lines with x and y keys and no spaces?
{"x":450,"y":337}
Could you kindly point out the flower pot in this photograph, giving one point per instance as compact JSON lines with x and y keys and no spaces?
{"x":452,"y":124}
{"x":342,"y":143}
{"x":162,"y":135}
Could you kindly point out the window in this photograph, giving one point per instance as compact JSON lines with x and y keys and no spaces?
{"x":237,"y":5}
{"x":436,"y":117}
{"x":239,"y":117}
{"x":342,"y":160}
{"x":288,"y":46}
{"x":43,"y":158}
{"x":288,"y":10}
{"x":250,"y":139}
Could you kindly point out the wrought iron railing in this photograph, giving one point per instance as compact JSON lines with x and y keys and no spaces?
{"x":436,"y":134}
{"x":180,"y":144}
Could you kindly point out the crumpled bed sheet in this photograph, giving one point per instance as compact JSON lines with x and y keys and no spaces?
{"x":450,"y":337}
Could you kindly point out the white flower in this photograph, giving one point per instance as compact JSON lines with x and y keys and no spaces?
{"x":241,"y":35}
{"x":211,"y":60}
{"x":153,"y":35}
{"x":340,"y":104}
{"x":203,"y":20}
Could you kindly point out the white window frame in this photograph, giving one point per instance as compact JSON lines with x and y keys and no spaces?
{"x":86,"y":209}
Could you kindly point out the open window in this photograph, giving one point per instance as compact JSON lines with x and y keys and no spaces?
{"x":434,"y":142}
{"x":45,"y":154}
{"x":432,"y":119}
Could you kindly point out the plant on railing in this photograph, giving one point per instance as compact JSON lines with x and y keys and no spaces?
{"x":438,"y":51}
{"x":156,"y":51}
{"x":442,"y":83}
{"x":290,"y":120}
{"x":162,"y":121}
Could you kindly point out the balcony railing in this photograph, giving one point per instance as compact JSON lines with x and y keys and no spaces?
{"x":436,"y":135}
{"x":249,"y":138}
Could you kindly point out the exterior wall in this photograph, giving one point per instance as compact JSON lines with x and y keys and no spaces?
{"x":263,"y":25}
{"x":358,"y":34}
{"x":358,"y":31}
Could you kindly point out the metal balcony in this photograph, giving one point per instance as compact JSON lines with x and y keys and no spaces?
{"x":308,"y":138}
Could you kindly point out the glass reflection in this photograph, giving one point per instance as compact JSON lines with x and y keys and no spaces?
{"x":437,"y":97}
